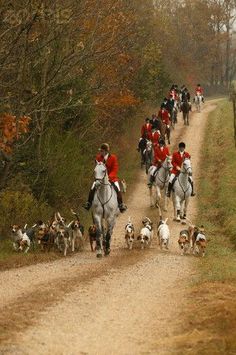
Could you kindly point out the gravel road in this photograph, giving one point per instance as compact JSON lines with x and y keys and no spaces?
{"x":128,"y":303}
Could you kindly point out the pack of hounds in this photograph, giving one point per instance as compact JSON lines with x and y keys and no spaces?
{"x":51,"y":235}
{"x":57,"y":234}
{"x":190,"y":240}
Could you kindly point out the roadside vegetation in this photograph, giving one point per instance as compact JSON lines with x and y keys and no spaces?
{"x":211,"y":311}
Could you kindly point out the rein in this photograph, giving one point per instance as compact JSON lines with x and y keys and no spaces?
{"x":166,"y":175}
{"x":182,"y":172}
{"x":104,"y":184}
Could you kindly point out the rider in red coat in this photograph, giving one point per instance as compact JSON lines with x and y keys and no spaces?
{"x":164,"y":116}
{"x":161,"y":151}
{"x":147,"y":129}
{"x":199,"y":90}
{"x":177,"y":160}
{"x":160,"y":154}
{"x":155,"y":137}
{"x":111,"y":162}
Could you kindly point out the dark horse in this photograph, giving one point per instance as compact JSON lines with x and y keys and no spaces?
{"x":165,"y":132}
{"x":186,"y":107}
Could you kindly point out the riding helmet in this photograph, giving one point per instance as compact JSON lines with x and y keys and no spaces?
{"x":181,"y":145}
{"x":105,"y":146}
{"x":161,"y":141}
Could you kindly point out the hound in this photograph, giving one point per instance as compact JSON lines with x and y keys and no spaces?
{"x":62,"y":234}
{"x":92,"y":232}
{"x":163,"y":233}
{"x":129,"y":234}
{"x":46,"y":234}
{"x":21,"y":240}
{"x":76,"y":233}
{"x":184,"y":241}
{"x":76,"y":237}
{"x":146,"y":233}
{"x":198,"y":240}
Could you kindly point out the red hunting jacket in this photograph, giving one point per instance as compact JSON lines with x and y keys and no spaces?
{"x":199,"y":89}
{"x":164,"y":116}
{"x":155,"y":137}
{"x":146,"y":128}
{"x":160,"y":155}
{"x":177,"y":161}
{"x":112,"y":166}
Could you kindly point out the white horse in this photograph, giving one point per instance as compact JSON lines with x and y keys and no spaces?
{"x":182,"y":190}
{"x":148,"y":155}
{"x":198,"y":101}
{"x":160,"y":184}
{"x":104,"y":209}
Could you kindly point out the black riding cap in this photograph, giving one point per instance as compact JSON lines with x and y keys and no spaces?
{"x":181,"y":145}
{"x":105,"y":147}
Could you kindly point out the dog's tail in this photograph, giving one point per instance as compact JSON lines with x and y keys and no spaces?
{"x":74,"y":213}
{"x":189,"y":222}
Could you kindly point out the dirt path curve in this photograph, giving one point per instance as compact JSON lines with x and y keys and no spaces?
{"x":128,"y":303}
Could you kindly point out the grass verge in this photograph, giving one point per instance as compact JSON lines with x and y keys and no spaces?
{"x":211,"y":313}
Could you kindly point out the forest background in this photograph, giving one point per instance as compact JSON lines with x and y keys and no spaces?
{"x":74,"y":74}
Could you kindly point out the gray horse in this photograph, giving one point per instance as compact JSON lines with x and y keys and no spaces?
{"x":148,"y":155}
{"x":160,"y":183}
{"x":104,"y":209}
{"x":182,"y":190}
{"x":198,"y":102}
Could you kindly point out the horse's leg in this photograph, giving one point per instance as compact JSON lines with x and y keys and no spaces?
{"x":186,"y":207}
{"x":98,"y":224}
{"x":151,"y":197}
{"x":165,"y":198}
{"x":110,"y":227}
{"x":158,"y":201}
{"x":168,"y":134}
{"x":177,"y":208}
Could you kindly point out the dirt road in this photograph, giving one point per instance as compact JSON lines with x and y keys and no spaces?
{"x":129,"y":303}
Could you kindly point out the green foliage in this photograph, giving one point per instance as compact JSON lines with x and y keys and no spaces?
{"x":19,"y":206}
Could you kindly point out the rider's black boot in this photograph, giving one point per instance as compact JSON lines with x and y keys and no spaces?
{"x":151,"y":180}
{"x":193,"y":193}
{"x":88,"y":204}
{"x":121,"y":205}
{"x":168,"y":192}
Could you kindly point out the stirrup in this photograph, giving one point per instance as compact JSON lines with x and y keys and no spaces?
{"x":122,"y":207}
{"x":87,"y":205}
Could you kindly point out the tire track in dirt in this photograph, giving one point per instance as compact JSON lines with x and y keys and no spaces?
{"x":126,"y":304}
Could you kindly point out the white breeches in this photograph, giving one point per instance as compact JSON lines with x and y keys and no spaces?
{"x":115,"y":183}
{"x":152,"y":169}
{"x":172,"y":176}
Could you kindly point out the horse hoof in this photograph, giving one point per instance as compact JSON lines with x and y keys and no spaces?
{"x":99,"y":255}
{"x":107,"y":252}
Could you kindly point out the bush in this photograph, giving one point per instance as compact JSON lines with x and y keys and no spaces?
{"x":20,"y":207}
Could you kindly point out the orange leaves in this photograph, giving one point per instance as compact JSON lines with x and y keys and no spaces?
{"x":113,"y":100}
{"x":11,"y":129}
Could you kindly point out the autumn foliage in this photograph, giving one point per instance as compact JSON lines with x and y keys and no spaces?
{"x":81,"y":70}
{"x":11,"y":130}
